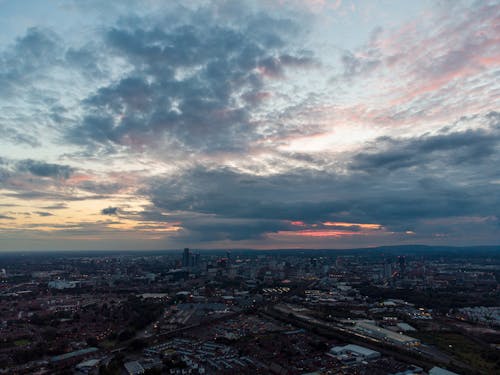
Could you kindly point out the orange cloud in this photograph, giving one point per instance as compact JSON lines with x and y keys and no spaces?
{"x":318,"y":233}
{"x":344,"y":224}
{"x":80,"y":177}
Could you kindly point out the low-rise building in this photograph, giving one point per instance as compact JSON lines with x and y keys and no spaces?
{"x":359,"y":352}
{"x":441,"y":371}
{"x":134,"y":368}
{"x":371,"y":329}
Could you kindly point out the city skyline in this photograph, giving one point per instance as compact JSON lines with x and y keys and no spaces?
{"x":256,"y":124}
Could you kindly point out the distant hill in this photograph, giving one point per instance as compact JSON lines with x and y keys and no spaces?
{"x":489,"y":251}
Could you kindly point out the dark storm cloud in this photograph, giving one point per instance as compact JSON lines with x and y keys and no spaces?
{"x":195,"y":83}
{"x":109,"y":211}
{"x":226,"y":192}
{"x":308,"y":196}
{"x":397,"y":186}
{"x":208,"y":227}
{"x":43,"y":169}
{"x":218,"y":230}
{"x":220,"y":203}
{"x":466,"y":147}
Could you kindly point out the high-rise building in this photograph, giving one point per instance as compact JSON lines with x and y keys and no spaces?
{"x":402,"y":266}
{"x":387,"y":269}
{"x":186,"y":259}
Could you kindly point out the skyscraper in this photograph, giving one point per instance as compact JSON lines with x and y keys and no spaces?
{"x":186,"y":258}
{"x":402,"y":266}
{"x":387,"y":269}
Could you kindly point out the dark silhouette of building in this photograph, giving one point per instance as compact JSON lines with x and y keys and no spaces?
{"x":402,"y":266}
{"x":388,"y":269}
{"x":186,"y":258}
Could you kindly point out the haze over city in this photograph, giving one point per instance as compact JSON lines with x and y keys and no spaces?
{"x":236,"y":124}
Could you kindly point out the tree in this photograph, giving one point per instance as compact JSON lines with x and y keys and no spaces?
{"x":92,"y":341}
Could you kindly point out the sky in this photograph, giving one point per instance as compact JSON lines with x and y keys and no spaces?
{"x":248,"y":124}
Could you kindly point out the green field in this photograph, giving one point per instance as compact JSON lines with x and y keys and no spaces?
{"x":483,"y":358}
{"x":22,"y":342}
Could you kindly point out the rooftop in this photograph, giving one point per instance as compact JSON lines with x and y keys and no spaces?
{"x":134,"y":368}
{"x":355,"y":349}
{"x":440,"y":371}
{"x":76,"y":353}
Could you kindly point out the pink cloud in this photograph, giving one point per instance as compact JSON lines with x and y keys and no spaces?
{"x":350,"y":225}
{"x":319,"y":233}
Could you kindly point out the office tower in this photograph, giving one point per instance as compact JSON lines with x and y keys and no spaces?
{"x":186,"y":258}
{"x":402,"y":266}
{"x":387,"y":269}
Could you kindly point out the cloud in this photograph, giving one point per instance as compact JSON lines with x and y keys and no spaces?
{"x":43,"y":213}
{"x":29,"y":179}
{"x":40,"y":80}
{"x":26,"y":60}
{"x":200,"y":229}
{"x":355,"y":65}
{"x":416,"y":75}
{"x":17,"y":137}
{"x":397,"y":185}
{"x":470,"y":146}
{"x":86,"y":60}
{"x":109,"y":211}
{"x":43,"y":169}
{"x":50,"y":195}
{"x":193,"y":85}
{"x":219,"y":126}
{"x":4,"y":174}
{"x":105,"y":188}
{"x":5,"y":217}
{"x":56,"y":206}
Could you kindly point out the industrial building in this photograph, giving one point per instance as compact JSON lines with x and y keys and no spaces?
{"x":440,"y":371}
{"x":356,"y":352}
{"x":369,"y":328}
